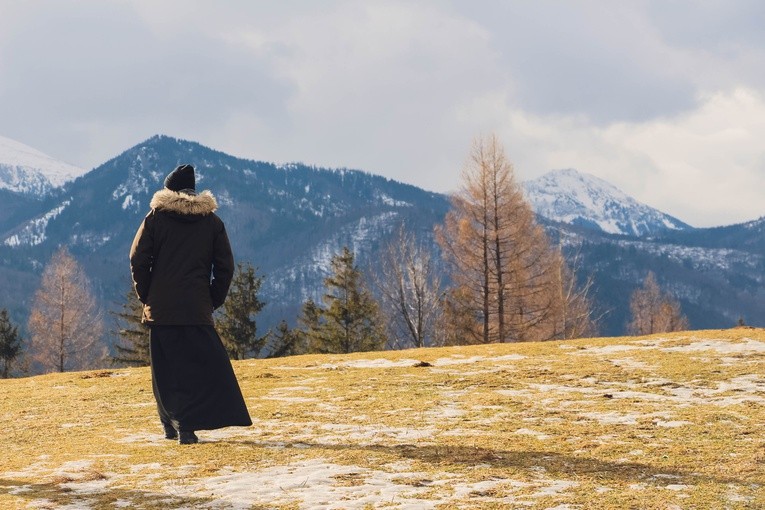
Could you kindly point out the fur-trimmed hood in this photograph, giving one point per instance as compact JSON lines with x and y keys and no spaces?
{"x":181,"y":203}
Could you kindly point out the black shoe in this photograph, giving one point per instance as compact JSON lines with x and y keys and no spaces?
{"x":170,"y":432}
{"x":187,"y":437}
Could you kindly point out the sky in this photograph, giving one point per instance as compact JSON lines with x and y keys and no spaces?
{"x":664,"y":99}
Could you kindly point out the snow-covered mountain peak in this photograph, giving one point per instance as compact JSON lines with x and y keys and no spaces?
{"x":27,"y":170}
{"x":577,"y":198}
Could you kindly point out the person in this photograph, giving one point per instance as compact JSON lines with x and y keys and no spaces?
{"x":182,"y":265}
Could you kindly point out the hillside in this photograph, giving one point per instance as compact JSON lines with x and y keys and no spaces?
{"x":667,"y":421}
{"x":287,"y":220}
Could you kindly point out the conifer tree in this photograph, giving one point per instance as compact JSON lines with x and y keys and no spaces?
{"x":236,"y":323}
{"x":134,"y":334}
{"x":349,"y":319}
{"x":10,"y":343}
{"x":65,"y":324}
{"x":286,"y":342}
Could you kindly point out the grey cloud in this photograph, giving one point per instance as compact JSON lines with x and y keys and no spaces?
{"x":100,"y":66}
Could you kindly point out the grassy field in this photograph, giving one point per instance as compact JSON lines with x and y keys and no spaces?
{"x":672,"y":421}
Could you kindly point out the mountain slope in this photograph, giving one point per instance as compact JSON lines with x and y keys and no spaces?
{"x":286,"y":220}
{"x":289,"y":220}
{"x":27,"y":170}
{"x":576,"y":198}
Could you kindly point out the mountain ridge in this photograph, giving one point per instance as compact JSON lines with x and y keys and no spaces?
{"x":288,"y":220}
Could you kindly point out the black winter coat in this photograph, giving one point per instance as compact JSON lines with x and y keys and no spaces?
{"x":181,"y":260}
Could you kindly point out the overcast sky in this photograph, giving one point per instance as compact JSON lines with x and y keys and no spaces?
{"x":664,"y":99}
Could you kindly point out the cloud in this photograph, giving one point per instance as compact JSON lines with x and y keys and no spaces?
{"x":648,"y":95}
{"x":705,"y":167}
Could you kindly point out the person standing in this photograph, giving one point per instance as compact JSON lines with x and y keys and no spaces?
{"x":182,"y":265}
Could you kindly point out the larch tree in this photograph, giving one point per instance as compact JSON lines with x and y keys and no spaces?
{"x":349,"y":320}
{"x":654,"y":311}
{"x":133,"y":346}
{"x":10,"y":344}
{"x":237,"y":321}
{"x":65,"y":323}
{"x":506,"y":276}
{"x":410,"y":292}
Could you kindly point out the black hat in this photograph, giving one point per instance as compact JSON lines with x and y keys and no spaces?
{"x":181,"y":178}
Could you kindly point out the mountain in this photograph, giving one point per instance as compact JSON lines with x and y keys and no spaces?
{"x":576,"y":198}
{"x":286,"y":220}
{"x":28,"y":171}
{"x":289,"y":220}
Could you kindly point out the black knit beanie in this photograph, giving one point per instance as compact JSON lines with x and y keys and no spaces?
{"x":181,"y":178}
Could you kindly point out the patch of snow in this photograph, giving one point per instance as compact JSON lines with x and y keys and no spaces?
{"x":370,"y":363}
{"x":747,"y":346}
{"x":528,"y":432}
{"x":33,"y":233}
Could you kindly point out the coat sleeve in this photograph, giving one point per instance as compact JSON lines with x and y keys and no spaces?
{"x":223,"y":268}
{"x":142,"y":258}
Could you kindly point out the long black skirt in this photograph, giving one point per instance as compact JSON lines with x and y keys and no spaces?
{"x":193,"y":381}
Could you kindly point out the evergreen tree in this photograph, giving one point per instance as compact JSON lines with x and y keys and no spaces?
{"x":10,"y":343}
{"x":286,"y":342}
{"x":236,"y":322}
{"x":349,"y":321}
{"x":134,"y":351}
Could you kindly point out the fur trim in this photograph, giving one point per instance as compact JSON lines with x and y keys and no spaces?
{"x":181,"y":203}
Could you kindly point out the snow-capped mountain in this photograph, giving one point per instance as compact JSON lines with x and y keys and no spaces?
{"x":29,"y":171}
{"x":576,"y":198}
{"x":289,"y":220}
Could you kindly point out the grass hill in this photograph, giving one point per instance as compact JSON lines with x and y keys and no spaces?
{"x":669,"y":421}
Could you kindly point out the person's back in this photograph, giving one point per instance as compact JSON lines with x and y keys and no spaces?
{"x":188,"y":244}
{"x":182,"y":266}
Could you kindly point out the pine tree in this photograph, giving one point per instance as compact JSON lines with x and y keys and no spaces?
{"x":10,"y":343}
{"x":349,"y":321}
{"x":134,"y":351}
{"x":236,"y":323}
{"x":65,"y":323}
{"x":286,"y":342}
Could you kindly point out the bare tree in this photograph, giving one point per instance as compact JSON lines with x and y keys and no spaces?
{"x":410,"y":292}
{"x":65,"y":323}
{"x":506,"y":276}
{"x":654,"y":311}
{"x":575,"y":317}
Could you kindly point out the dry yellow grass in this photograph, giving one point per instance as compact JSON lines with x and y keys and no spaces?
{"x":662,"y":422}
